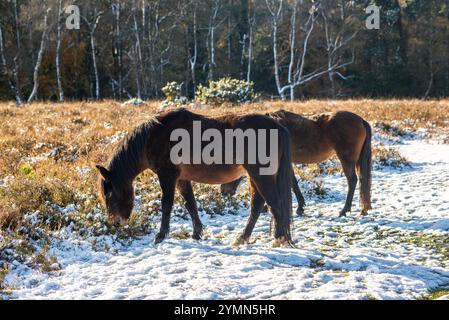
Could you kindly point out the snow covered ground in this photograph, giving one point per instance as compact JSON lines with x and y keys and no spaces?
{"x":400,"y":251}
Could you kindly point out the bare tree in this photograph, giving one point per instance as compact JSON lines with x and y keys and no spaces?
{"x":251,"y":23}
{"x":157,"y":42}
{"x":276,"y":14}
{"x":194,"y":56}
{"x":16,"y":58}
{"x":138,"y":51}
{"x":58,"y":53}
{"x":40,"y":54}
{"x":210,"y":44}
{"x":116,"y":9}
{"x":92,"y":25}
{"x":296,"y":68}
{"x":336,"y":40}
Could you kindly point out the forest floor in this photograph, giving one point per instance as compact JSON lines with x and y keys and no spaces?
{"x":56,"y":244}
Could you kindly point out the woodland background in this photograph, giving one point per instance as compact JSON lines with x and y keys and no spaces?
{"x":289,"y":48}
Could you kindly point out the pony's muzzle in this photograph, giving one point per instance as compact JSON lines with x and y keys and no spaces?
{"x":116,"y":220}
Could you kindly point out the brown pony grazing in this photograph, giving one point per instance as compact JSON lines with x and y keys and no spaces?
{"x":342,"y":133}
{"x":149,"y":147}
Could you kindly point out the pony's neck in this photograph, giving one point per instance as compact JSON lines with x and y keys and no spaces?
{"x":130,"y":160}
{"x":125,"y":165}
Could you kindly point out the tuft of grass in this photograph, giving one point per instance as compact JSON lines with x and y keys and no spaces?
{"x":436,"y":294}
{"x":389,"y":157}
{"x":310,"y":179}
{"x":10,"y":216}
{"x":4,"y":288}
{"x":24,"y":195}
{"x":27,"y":170}
{"x":436,"y":243}
{"x":317,"y":263}
{"x":393,"y":130}
{"x":45,"y":262}
{"x":213,"y":202}
{"x":182,"y":234}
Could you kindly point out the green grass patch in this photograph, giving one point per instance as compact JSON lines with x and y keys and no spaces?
{"x":436,"y":294}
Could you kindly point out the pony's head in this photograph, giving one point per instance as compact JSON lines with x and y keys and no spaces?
{"x":117,"y":196}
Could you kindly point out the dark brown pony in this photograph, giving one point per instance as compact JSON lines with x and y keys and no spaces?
{"x":314,"y":140}
{"x":149,"y":146}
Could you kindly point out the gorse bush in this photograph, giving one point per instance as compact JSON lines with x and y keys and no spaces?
{"x":173,"y":95}
{"x":226,"y":90}
{"x":172,"y":90}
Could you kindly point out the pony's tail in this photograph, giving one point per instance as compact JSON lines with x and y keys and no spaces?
{"x":284,"y":187}
{"x":364,"y":170}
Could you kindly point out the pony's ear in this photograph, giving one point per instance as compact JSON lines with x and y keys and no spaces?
{"x":104,"y":172}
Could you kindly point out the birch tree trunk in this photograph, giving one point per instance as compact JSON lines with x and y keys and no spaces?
{"x":193,"y":59}
{"x":16,"y":59}
{"x":118,"y":49}
{"x":329,"y":56}
{"x":58,"y":54}
{"x":94,"y":64}
{"x":292,"y":52}
{"x":211,"y":36}
{"x":39,"y":60}
{"x":252,"y":22}
{"x":275,"y":18}
{"x":92,"y":28}
{"x":139,"y":64}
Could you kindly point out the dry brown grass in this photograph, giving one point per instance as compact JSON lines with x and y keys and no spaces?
{"x":51,"y":149}
{"x":48,"y":153}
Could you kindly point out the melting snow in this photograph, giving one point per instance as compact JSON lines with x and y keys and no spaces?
{"x":355,"y":257}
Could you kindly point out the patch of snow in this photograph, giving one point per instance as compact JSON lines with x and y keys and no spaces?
{"x":353,"y":257}
{"x":134,"y":102}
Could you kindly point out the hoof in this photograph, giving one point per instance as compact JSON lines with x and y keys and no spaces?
{"x":283,"y":242}
{"x":239,"y":241}
{"x":159,"y":238}
{"x":197,"y":231}
{"x":364,"y":212}
{"x":197,"y":235}
{"x":342,"y":214}
{"x":300,"y":212}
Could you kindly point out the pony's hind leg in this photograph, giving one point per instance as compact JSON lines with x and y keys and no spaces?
{"x":257,"y":204}
{"x":299,"y":196}
{"x":351,"y":178}
{"x":185,"y":188}
{"x":168,"y":183}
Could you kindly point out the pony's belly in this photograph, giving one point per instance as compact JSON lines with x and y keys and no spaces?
{"x":311,"y":155}
{"x":211,"y":174}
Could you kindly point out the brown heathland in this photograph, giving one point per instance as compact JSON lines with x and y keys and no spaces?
{"x":49,"y":148}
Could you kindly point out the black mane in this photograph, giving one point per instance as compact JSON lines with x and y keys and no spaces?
{"x":126,"y":160}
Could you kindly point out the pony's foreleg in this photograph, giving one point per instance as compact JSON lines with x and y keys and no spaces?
{"x":298,"y":194}
{"x":351,"y":178}
{"x":185,"y":188}
{"x":257,"y":204}
{"x":168,"y":184}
